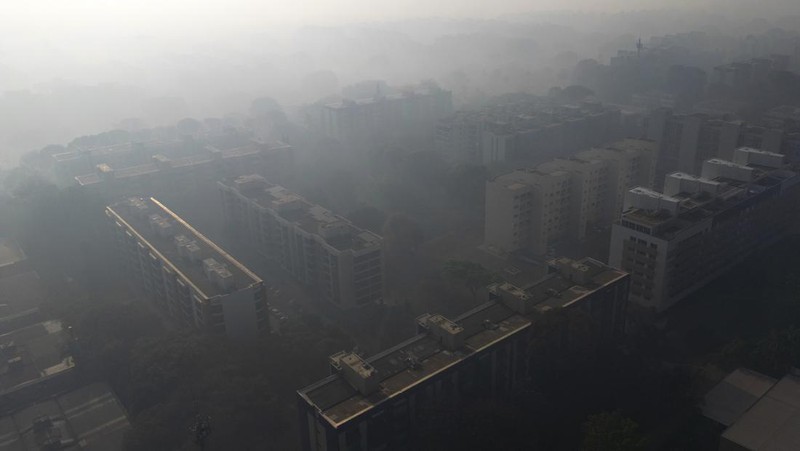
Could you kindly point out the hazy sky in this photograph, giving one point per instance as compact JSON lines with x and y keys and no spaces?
{"x":126,"y":17}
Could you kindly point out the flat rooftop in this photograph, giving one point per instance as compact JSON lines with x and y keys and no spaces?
{"x":772,"y":423}
{"x":182,"y":160}
{"x":731,"y":398}
{"x":338,"y":402}
{"x":10,"y":252}
{"x":20,"y":295}
{"x":311,"y":218}
{"x":39,"y":351}
{"x":137,"y":214}
{"x":694,"y":207}
{"x":559,"y":292}
{"x":560,"y":288}
{"x":90,"y":417}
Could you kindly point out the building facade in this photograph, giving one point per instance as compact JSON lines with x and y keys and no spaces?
{"x":564,"y":199}
{"x":674,"y":242}
{"x":188,"y":278}
{"x":363,"y":121}
{"x":162,"y":173}
{"x":324,"y":251}
{"x":389,"y":400}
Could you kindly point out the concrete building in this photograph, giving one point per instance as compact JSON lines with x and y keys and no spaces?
{"x":412,"y":112}
{"x":586,"y":284}
{"x":36,"y":361}
{"x":676,"y":241}
{"x":564,"y":198}
{"x":162,"y":173}
{"x":535,"y":136}
{"x":324,"y":251}
{"x":386,"y":401}
{"x":685,"y":141}
{"x":188,"y":277}
{"x":757,"y":412}
{"x":458,"y":137}
{"x":12,"y":258}
{"x":527,"y":209}
{"x":88,"y":418}
{"x":21,"y":295}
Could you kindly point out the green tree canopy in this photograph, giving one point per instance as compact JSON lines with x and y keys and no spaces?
{"x":610,"y":431}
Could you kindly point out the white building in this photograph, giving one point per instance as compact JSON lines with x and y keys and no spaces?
{"x":325,"y":251}
{"x":675,"y":242}
{"x":187,"y":276}
{"x":564,"y":198}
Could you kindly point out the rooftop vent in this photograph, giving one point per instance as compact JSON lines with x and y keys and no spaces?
{"x":218,"y":273}
{"x":161,"y":225}
{"x":356,"y":371}
{"x":450,"y":334}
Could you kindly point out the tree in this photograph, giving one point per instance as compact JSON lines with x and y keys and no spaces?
{"x":474,"y":275}
{"x":611,"y":432}
{"x":401,"y":233}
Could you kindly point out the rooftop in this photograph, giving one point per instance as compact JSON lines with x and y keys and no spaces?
{"x":33,"y":353}
{"x":412,"y":362}
{"x":731,"y":398}
{"x":568,"y":282}
{"x":180,"y":245}
{"x":10,"y":252}
{"x":313,"y":219}
{"x":697,"y":206}
{"x":772,"y":423}
{"x":161,"y":162}
{"x":367,"y":101}
{"x":20,"y":296}
{"x":89,"y":418}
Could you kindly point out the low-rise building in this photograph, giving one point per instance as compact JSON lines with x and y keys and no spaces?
{"x":35,"y":361}
{"x":324,"y":251}
{"x":188,"y":277}
{"x":87,"y":418}
{"x":12,"y":258}
{"x":757,"y":412}
{"x":674,"y":242}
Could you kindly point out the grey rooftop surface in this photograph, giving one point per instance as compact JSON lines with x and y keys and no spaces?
{"x":88,"y":418}
{"x":338,"y":402}
{"x":136,"y":213}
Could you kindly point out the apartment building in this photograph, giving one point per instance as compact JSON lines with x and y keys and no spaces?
{"x":388,"y":400}
{"x":685,"y":141}
{"x":538,"y":134}
{"x":564,"y":198}
{"x":676,"y":241}
{"x":324,"y":251}
{"x":527,"y":209}
{"x":188,"y":278}
{"x":412,"y":111}
{"x":167,"y":172}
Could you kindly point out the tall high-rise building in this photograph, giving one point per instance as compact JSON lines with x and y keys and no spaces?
{"x":565,"y":198}
{"x":188,"y":277}
{"x":388,"y":400}
{"x":674,"y":242}
{"x":324,"y":251}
